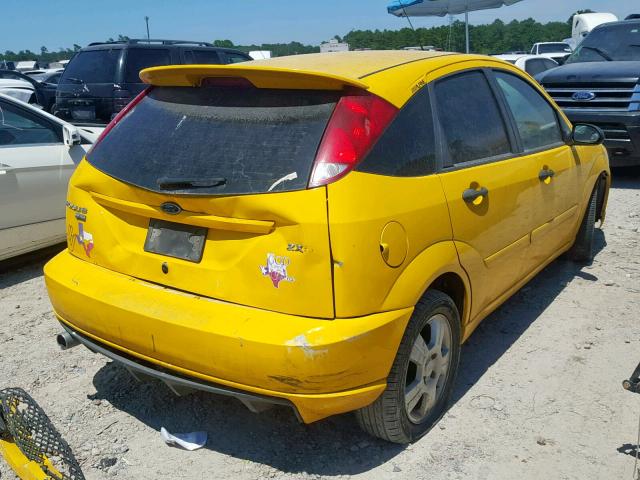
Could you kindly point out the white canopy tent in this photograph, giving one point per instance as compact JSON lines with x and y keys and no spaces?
{"x":440,"y":8}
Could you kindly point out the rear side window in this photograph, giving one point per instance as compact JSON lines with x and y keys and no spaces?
{"x":141,"y":58}
{"x":470,"y":118}
{"x":201,"y":57}
{"x":236,"y":58}
{"x":217,"y":140}
{"x":92,"y":66}
{"x":536,"y":120}
{"x":535,"y":66}
{"x":407,"y":147}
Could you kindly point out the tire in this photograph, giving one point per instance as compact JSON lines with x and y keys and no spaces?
{"x":582,"y":249}
{"x":394,"y":416}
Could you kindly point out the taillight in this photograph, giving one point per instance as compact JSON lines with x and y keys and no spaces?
{"x":120,"y":116}
{"x":121,"y":98}
{"x":355,"y":125}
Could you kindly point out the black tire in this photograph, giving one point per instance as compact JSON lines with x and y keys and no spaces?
{"x":582,"y":249}
{"x":387,"y":418}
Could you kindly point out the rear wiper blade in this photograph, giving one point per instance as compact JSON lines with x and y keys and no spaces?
{"x":75,"y":80}
{"x":602,"y":53}
{"x":186,"y":183}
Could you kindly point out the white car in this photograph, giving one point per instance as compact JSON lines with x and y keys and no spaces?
{"x":532,"y":64}
{"x":557,"y":51}
{"x":17,"y":89}
{"x":38,"y":153}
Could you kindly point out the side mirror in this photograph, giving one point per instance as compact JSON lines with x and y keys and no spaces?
{"x":585,"y":134}
{"x":71,"y":135}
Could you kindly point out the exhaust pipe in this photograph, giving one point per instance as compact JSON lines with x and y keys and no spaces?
{"x":66,"y":341}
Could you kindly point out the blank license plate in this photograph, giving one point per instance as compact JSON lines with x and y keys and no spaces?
{"x":83,"y":113}
{"x":175,"y":240}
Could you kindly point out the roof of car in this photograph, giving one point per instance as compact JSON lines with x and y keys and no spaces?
{"x":357,"y":65}
{"x":155,"y":44}
{"x":393,"y":74}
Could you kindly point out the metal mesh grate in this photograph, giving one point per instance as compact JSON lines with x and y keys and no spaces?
{"x":34,"y":434}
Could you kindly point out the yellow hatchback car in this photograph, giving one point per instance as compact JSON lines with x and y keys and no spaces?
{"x":321,"y":231}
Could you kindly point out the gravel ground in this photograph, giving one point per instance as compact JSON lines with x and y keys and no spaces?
{"x":538,"y":396}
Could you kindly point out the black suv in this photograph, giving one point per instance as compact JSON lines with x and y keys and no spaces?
{"x":103,"y":77}
{"x":600,"y":84}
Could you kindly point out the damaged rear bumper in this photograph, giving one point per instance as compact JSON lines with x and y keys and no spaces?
{"x":320,"y":367}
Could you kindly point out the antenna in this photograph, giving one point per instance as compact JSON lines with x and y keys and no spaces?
{"x":409,"y":20}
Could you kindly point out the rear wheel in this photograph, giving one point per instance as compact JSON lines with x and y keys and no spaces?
{"x":422,"y":376}
{"x":582,"y":249}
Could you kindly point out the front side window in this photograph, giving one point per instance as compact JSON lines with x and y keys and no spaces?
{"x":407,"y":147}
{"x":536,"y":120}
{"x":18,"y":127}
{"x":141,"y":58}
{"x":470,"y":118}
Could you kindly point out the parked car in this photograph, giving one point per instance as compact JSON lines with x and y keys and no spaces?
{"x":18,"y":89}
{"x":38,"y":153}
{"x":557,"y":51}
{"x":600,"y":84}
{"x":304,"y":231}
{"x":103,"y":77}
{"x":532,"y":64}
{"x":24,"y":65}
{"x":43,"y":92}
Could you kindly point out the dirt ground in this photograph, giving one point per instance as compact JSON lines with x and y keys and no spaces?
{"x":538,"y":396}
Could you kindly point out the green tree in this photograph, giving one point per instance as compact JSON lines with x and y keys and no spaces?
{"x":223,"y":43}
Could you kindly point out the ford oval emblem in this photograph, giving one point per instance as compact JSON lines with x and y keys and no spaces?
{"x":583,"y":96}
{"x":171,"y":208}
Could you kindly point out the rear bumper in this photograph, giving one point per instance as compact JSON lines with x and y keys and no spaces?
{"x":621,"y":130}
{"x":321,"y":367}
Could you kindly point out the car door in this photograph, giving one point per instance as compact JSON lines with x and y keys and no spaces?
{"x":35,"y":167}
{"x":487,"y":184}
{"x":540,"y":137}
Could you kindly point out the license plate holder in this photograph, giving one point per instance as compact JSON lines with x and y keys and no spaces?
{"x":175,"y":240}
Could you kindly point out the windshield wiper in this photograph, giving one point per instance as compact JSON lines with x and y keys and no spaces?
{"x":75,"y":80}
{"x":599,"y":51}
{"x":187,"y":183}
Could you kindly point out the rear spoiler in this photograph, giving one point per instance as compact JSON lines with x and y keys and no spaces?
{"x":261,"y":76}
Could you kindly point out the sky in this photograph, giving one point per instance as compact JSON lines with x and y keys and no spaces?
{"x":61,"y":23}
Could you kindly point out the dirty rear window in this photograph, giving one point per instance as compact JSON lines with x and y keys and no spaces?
{"x":217,"y":140}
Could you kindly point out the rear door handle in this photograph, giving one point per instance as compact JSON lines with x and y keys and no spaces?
{"x":470,"y":195}
{"x":546,"y":173}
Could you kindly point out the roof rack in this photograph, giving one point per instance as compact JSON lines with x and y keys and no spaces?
{"x":155,"y":41}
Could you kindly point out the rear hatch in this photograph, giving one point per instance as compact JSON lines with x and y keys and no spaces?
{"x":86,"y":90}
{"x":205,"y":190}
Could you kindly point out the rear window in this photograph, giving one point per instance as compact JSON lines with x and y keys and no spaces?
{"x":92,"y":66}
{"x":217,"y":140}
{"x":141,"y":58}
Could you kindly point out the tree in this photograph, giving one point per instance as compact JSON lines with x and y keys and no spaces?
{"x":223,"y":43}
{"x":586,"y":10}
{"x":43,"y":50}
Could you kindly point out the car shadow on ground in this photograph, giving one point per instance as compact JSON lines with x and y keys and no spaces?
{"x":335,"y":446}
{"x":27,"y":266}
{"x":627,"y":178}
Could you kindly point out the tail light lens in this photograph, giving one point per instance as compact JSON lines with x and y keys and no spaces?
{"x":120,"y":116}
{"x":355,"y":125}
